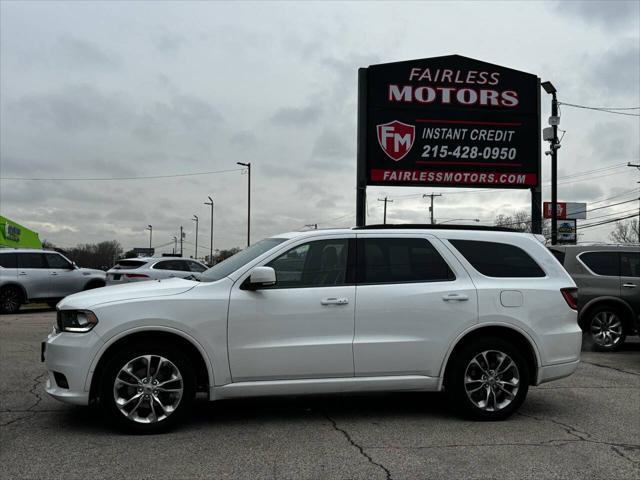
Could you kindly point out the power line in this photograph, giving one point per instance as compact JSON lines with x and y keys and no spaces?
{"x":604,"y":222}
{"x":601,"y":109}
{"x":147,"y":177}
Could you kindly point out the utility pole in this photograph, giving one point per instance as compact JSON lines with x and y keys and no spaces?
{"x":181,"y":239}
{"x":248,"y":165}
{"x":554,"y":120}
{"x":175,"y":244}
{"x":636,"y":165}
{"x":150,"y":228}
{"x":432,"y":195}
{"x":195,"y":219}
{"x":385,"y":200}
{"x":211,"y":260}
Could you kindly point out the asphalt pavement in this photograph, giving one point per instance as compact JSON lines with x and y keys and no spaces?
{"x":585,"y":426}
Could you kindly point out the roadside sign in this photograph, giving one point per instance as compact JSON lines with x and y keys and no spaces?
{"x":568,"y":210}
{"x":144,"y":252}
{"x":567,"y":231}
{"x":451,"y":121}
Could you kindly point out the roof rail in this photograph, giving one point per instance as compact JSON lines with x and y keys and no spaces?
{"x":426,"y":226}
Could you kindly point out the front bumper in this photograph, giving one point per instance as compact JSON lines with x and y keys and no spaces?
{"x":70,"y":355}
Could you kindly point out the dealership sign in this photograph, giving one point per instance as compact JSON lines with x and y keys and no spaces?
{"x":572,"y":210}
{"x":451,"y":122}
{"x":567,"y":232}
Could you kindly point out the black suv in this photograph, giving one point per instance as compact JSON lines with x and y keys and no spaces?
{"x":608,"y":279}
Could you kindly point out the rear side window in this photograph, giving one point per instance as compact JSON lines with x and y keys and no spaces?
{"x":31,"y":260}
{"x":602,"y":263}
{"x":398,"y":260}
{"x":128,"y":264}
{"x":498,"y":259}
{"x":196,"y":267}
{"x":559,"y":254}
{"x":630,"y":264}
{"x":177,"y":265}
{"x":8,"y":260}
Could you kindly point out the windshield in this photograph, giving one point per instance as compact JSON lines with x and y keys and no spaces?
{"x":240,"y":259}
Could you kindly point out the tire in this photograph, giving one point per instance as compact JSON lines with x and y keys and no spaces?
{"x":11,"y":298}
{"x":606,"y":328}
{"x":487,"y":392}
{"x":133,"y":402}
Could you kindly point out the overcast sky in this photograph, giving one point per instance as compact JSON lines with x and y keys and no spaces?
{"x":122,"y":89}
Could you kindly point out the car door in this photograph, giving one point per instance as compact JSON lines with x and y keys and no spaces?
{"x":597,"y":274}
{"x":413,"y":297}
{"x":302,"y":327}
{"x":65,"y":279}
{"x":630,"y":279}
{"x":33,"y":275}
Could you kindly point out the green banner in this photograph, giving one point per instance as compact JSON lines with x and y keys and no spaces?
{"x":14,"y":235}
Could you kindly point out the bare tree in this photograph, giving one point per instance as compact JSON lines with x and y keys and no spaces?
{"x":521,"y":221}
{"x":625,"y":232}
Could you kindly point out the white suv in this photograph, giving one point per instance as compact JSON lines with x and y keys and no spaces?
{"x":481,"y":314}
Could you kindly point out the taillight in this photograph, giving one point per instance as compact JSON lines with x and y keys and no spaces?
{"x":571,"y":297}
{"x":136,"y":275}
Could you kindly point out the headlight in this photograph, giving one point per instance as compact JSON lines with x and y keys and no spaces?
{"x":76,"y":321}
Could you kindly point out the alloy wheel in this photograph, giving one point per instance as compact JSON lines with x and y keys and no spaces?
{"x":606,"y":329}
{"x":10,"y":300}
{"x":148,"y":389}
{"x":492,"y":380}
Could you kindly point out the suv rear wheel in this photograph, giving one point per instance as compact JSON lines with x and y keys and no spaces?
{"x":147,"y":388}
{"x":10,"y":299}
{"x":605,"y":328}
{"x":488,"y":379}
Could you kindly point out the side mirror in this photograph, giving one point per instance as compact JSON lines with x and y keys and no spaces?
{"x":261,"y":277}
{"x":74,"y":266}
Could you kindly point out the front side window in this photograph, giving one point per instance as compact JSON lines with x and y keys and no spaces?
{"x":196,"y":267}
{"x":320,"y":263}
{"x":602,"y":263}
{"x":630,"y":264}
{"x":57,"y":261}
{"x":500,"y":260}
{"x":171,"y":265}
{"x":31,"y":260}
{"x":399,"y":260}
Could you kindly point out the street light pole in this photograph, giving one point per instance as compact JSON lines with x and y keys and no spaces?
{"x":181,"y":239}
{"x":150,"y":228}
{"x":554,"y":120}
{"x":211,"y":260}
{"x":175,"y":244}
{"x":195,"y":219}
{"x":248,"y":165}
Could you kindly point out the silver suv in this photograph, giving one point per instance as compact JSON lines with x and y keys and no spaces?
{"x":608,"y":279}
{"x":28,"y":275}
{"x":140,"y":269}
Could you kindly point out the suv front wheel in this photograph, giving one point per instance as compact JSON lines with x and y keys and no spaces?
{"x":10,"y":299}
{"x":605,"y":329}
{"x":147,"y":388}
{"x":488,"y":379}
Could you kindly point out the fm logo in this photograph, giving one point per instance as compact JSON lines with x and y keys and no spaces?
{"x":396,"y":139}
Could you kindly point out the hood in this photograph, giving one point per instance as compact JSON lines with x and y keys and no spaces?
{"x":129,"y":291}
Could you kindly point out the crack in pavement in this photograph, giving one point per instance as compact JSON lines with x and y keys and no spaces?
{"x":637,"y":374}
{"x":586,"y":437}
{"x":359,"y":447}
{"x":30,"y":410}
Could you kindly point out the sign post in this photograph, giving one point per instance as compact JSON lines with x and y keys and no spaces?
{"x":448,"y":121}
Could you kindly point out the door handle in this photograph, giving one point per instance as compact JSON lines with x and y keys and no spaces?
{"x":455,"y":297}
{"x":22,"y":273}
{"x":334,"y":301}
{"x":54,"y":273}
{"x":629,"y":285}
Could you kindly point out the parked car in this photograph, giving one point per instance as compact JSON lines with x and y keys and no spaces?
{"x":478,"y":313}
{"x":139,"y":269}
{"x":608,"y":279}
{"x":28,"y":275}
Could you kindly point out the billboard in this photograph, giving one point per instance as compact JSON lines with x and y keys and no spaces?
{"x":567,"y":231}
{"x":573,"y":210}
{"x":449,"y":121}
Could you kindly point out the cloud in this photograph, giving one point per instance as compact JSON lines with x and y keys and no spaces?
{"x":169,"y":42}
{"x":76,"y":53}
{"x":617,"y":70}
{"x":296,"y":117}
{"x":609,"y":14}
